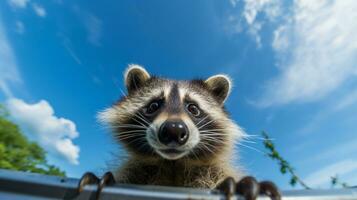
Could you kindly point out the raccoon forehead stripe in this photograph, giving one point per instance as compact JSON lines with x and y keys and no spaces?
{"x":174,"y":94}
{"x":174,"y":100}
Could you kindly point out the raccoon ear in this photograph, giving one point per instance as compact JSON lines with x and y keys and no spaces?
{"x":220,"y":86}
{"x":135,"y":77}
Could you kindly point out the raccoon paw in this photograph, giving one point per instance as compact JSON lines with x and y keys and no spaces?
{"x":89,"y":178}
{"x":249,"y":188}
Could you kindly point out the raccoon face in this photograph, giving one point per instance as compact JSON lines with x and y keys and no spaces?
{"x":173,"y":119}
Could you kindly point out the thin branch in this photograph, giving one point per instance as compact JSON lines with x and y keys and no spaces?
{"x":285,"y":167}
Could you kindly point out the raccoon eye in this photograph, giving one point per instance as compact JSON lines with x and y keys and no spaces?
{"x":153,"y":107}
{"x":193,"y":109}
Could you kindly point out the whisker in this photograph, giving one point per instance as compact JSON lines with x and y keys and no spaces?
{"x":138,"y":121}
{"x":215,"y":140}
{"x":217,"y":129}
{"x":252,"y":148}
{"x":129,"y":136}
{"x":213,"y":133}
{"x":194,"y":154}
{"x":132,"y":131}
{"x":132,"y":126}
{"x":139,"y":138}
{"x":143,"y":120}
{"x":257,"y":137}
{"x":248,"y":141}
{"x":206,"y":147}
{"x":214,"y":147}
{"x":206,"y":124}
{"x":122,"y":92}
{"x":128,"y":126}
{"x":210,"y":135}
{"x":115,"y":83}
{"x":201,"y":120}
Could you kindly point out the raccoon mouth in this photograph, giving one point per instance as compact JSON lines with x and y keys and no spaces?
{"x":171,"y":151}
{"x":171,"y":154}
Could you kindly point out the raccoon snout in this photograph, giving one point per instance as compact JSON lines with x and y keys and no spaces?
{"x":173,"y":133}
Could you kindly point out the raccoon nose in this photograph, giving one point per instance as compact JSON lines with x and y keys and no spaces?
{"x":174,"y":132}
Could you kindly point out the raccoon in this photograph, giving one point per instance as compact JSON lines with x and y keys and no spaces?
{"x":177,"y":133}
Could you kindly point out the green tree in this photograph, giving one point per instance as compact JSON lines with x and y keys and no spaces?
{"x":18,"y":153}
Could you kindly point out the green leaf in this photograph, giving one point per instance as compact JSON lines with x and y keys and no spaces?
{"x":18,"y":153}
{"x":283,"y":169}
{"x":293,"y":181}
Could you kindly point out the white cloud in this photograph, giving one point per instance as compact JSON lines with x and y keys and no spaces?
{"x":269,"y":9}
{"x":8,"y":66}
{"x":19,"y":27}
{"x":347,"y":148}
{"x":18,"y":3}
{"x":347,"y":101}
{"x":39,"y":10}
{"x":39,"y":122}
{"x":92,"y":24}
{"x":233,"y":2}
{"x":317,"y":49}
{"x":343,"y":103}
{"x":67,"y":43}
{"x":322,"y":177}
{"x":94,"y":27}
{"x":281,"y":38}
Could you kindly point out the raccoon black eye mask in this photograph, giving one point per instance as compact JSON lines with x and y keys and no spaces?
{"x":177,"y":133}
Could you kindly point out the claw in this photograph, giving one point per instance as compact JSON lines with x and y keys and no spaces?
{"x":227,"y":187}
{"x":107,"y":179}
{"x":87,"y":178}
{"x":269,"y":188}
{"x":248,"y":187}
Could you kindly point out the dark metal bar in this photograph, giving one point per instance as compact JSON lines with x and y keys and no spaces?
{"x":28,"y":186}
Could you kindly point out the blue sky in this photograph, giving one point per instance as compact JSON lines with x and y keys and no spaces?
{"x":294,"y":66}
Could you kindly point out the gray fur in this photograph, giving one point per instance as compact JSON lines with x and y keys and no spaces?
{"x":209,"y":151}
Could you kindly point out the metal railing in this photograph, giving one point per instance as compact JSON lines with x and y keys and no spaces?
{"x":26,"y":186}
